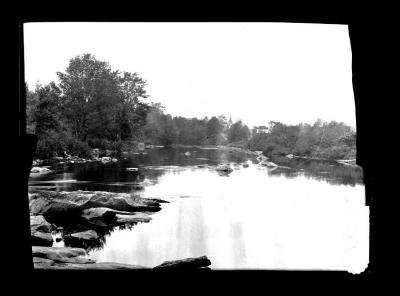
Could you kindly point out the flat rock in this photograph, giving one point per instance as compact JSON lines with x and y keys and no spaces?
{"x":42,"y":263}
{"x":57,"y":253}
{"x":88,"y":235}
{"x":186,"y":264}
{"x":102,"y":213}
{"x":39,"y":223}
{"x":92,"y":266}
{"x":45,"y":203}
{"x":56,"y":203}
{"x":40,"y":170}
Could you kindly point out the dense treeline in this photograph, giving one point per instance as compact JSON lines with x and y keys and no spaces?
{"x":333,"y":140}
{"x":94,"y":106}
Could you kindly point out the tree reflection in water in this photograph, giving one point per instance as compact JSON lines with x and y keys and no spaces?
{"x":329,"y":171}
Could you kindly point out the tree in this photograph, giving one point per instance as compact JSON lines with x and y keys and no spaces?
{"x":160,"y":128}
{"x":91,"y":96}
{"x":45,"y":110}
{"x":238,"y":132}
{"x":31,"y":104}
{"x":44,"y":117}
{"x":133,"y":112}
{"x":100,"y":102}
{"x":214,"y":129}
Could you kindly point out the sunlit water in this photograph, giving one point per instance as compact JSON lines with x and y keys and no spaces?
{"x":251,"y":219}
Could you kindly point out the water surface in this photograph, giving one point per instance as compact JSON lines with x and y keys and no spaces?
{"x":310,"y":215}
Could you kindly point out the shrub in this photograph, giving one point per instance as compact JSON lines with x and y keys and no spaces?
{"x":76,"y":147}
{"x":49,"y":144}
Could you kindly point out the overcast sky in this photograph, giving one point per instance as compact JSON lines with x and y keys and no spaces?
{"x":256,"y":72}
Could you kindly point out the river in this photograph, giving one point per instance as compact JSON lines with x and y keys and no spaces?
{"x":305,"y":216}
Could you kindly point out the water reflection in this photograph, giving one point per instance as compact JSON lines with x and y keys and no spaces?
{"x":248,"y":220}
{"x":332,"y":172}
{"x":151,"y":166}
{"x":310,"y":215}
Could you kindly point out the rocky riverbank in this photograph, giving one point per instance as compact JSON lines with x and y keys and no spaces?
{"x":83,"y":218}
{"x":50,"y":258}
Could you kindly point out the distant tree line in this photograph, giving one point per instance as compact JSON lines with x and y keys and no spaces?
{"x":166,"y":130}
{"x":94,"y":106}
{"x":329,"y":140}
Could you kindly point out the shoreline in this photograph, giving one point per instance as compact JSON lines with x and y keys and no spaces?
{"x":41,"y":166}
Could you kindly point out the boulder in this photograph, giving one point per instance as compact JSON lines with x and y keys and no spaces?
{"x":105,"y":159}
{"x":185,"y":264}
{"x":269,"y":164}
{"x":245,"y":165}
{"x":43,"y":205}
{"x":39,"y":223}
{"x":114,"y":160}
{"x":224,"y":168}
{"x":40,"y":170}
{"x":57,"y":203}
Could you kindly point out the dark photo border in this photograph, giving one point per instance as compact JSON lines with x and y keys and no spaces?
{"x":367,"y":86}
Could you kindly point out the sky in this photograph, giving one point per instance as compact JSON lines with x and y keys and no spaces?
{"x":256,"y":72}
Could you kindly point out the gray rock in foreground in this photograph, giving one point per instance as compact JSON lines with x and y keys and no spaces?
{"x":73,"y":259}
{"x":185,"y":264}
{"x":39,"y":223}
{"x":57,"y":253}
{"x":102,"y":213}
{"x":58,"y":203}
{"x":40,"y":231}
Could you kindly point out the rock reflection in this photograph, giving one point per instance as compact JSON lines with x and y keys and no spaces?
{"x":103,"y":229}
